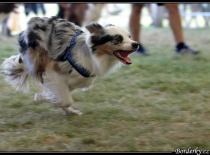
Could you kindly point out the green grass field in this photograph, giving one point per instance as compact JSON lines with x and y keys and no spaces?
{"x":159,"y":103}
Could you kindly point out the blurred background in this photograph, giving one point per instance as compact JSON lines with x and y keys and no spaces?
{"x":193,"y":15}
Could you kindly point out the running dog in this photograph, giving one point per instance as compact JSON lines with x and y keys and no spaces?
{"x":63,"y":57}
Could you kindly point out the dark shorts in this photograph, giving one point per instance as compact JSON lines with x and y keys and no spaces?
{"x":141,"y":4}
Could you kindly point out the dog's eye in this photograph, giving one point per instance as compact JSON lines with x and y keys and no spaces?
{"x":118,"y":38}
{"x":129,"y":36}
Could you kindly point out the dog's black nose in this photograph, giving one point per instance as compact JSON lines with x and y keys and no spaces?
{"x":135,"y":45}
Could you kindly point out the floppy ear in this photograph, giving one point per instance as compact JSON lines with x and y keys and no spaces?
{"x":94,"y":28}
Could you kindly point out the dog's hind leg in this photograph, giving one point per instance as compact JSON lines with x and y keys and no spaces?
{"x":57,"y":93}
{"x":66,"y":103}
{"x":70,"y":109}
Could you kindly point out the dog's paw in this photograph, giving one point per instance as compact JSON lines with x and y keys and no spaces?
{"x":70,"y":110}
{"x":77,"y":112}
{"x":38,"y":98}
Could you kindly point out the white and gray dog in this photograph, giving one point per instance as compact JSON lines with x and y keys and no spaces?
{"x":62,"y":57}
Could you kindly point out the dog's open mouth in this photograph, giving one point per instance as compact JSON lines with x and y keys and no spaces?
{"x":123,"y":56}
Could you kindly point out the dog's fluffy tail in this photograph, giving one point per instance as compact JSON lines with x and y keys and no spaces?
{"x":15,"y":73}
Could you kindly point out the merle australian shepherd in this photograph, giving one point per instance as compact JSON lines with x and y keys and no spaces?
{"x":62,"y":57}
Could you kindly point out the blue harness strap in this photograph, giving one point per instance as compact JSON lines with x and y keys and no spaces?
{"x":67,"y":56}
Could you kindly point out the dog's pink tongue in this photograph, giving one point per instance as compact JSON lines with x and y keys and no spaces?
{"x":125,"y":57}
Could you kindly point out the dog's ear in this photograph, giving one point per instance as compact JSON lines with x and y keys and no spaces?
{"x":94,"y":28}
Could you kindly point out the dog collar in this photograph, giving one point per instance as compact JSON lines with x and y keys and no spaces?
{"x":68,"y":56}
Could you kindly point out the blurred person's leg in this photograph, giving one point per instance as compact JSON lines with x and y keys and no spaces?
{"x":7,"y":10}
{"x":62,"y":7}
{"x":76,"y":13}
{"x":27,"y":8}
{"x":5,"y":29}
{"x":176,"y":26}
{"x":175,"y":21}
{"x":134,"y":22}
{"x":135,"y":26}
{"x":33,"y":8}
{"x":94,"y":12}
{"x":41,"y":7}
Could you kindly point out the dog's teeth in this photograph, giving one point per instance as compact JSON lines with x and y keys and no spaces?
{"x":119,"y":55}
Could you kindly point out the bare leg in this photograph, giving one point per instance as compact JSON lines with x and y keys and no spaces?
{"x":176,"y":26}
{"x":134,"y":21}
{"x":175,"y":21}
